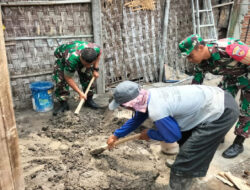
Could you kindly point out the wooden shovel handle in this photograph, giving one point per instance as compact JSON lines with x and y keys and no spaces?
{"x":129,"y":138}
{"x":82,"y":100}
{"x":122,"y":140}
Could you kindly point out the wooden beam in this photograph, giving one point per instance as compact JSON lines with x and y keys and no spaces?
{"x":11,"y":177}
{"x":31,"y":75}
{"x":164,"y":39}
{"x":235,"y":12}
{"x":223,"y":4}
{"x":97,"y":28}
{"x":39,"y":3}
{"x":47,"y":37}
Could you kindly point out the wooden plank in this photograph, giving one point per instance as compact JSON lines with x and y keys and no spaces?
{"x":39,"y":3}
{"x":235,"y":12}
{"x":97,"y":29}
{"x":31,"y":74}
{"x":224,"y":16}
{"x":5,"y":169}
{"x":164,"y":39}
{"x":239,"y":183}
{"x":224,"y":179}
{"x":48,"y":37}
{"x":223,"y":4}
{"x":11,"y":177}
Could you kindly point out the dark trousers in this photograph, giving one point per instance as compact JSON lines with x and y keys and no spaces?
{"x":198,"y":146}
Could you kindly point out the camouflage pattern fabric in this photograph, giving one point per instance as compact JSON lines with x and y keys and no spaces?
{"x":187,"y":45}
{"x":68,"y":61}
{"x":66,"y":48}
{"x":235,"y":78}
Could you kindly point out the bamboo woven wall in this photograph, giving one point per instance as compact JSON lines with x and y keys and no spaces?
{"x":35,"y":57}
{"x":131,"y":40}
{"x":179,"y":27}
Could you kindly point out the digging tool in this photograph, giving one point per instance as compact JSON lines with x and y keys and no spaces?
{"x":120,"y":141}
{"x":82,"y":100}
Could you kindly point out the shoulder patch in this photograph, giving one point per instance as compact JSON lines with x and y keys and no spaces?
{"x":238,"y":51}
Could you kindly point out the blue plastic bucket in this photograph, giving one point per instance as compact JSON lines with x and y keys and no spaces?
{"x":42,"y":98}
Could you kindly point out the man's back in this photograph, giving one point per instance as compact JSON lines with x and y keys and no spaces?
{"x":68,"y":48}
{"x":189,"y":105}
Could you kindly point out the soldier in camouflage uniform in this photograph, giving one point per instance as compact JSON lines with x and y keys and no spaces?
{"x":79,"y":56}
{"x":213,"y":58}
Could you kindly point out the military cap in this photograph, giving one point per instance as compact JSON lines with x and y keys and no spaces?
{"x":187,"y":45}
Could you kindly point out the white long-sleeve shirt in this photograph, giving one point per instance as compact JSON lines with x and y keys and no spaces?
{"x":176,"y":109}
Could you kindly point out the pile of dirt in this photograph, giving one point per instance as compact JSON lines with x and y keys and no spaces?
{"x":58,"y":156}
{"x":55,"y":154}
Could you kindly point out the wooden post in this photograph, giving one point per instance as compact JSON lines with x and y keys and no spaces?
{"x":11,"y":177}
{"x":40,"y":3}
{"x":97,"y":30}
{"x":233,"y":18}
{"x":164,"y":39}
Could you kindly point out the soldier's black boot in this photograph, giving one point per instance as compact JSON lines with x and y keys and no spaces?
{"x":90,"y":103}
{"x":235,"y":149}
{"x":64,"y":106}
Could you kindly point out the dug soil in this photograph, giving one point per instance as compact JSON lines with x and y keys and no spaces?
{"x":55,"y":154}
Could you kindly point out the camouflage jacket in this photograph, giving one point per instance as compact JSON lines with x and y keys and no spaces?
{"x":220,"y":63}
{"x":72,"y":57}
{"x":67,"y":48}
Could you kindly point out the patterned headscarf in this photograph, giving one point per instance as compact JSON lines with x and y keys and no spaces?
{"x":140,"y":102}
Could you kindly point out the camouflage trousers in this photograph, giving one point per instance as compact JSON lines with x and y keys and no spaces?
{"x":233,"y":85}
{"x":62,"y":88}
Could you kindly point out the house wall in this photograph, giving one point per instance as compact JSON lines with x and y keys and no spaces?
{"x":32,"y":60}
{"x":131,"y":40}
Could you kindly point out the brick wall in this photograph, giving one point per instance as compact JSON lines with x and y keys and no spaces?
{"x":245,"y":29}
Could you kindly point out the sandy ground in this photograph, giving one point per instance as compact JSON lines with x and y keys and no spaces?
{"x":55,"y":154}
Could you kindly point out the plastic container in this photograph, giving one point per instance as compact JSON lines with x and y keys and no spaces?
{"x":42,"y":98}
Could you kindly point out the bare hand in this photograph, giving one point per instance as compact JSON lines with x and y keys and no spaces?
{"x":95,"y":74}
{"x":82,"y":96}
{"x":144,"y":135}
{"x":111,"y":141}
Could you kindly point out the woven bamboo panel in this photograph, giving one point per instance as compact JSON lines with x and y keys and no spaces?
{"x":26,"y":57}
{"x":179,"y":27}
{"x":21,"y":90}
{"x":112,"y":40}
{"x":47,"y":20}
{"x":131,"y":42}
{"x":32,"y":56}
{"x":216,"y":11}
